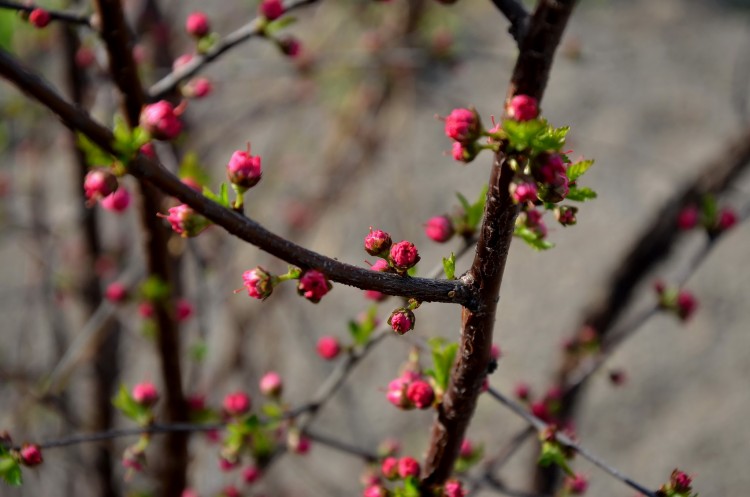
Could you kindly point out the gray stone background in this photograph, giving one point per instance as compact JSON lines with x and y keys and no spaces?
{"x":652,"y":95}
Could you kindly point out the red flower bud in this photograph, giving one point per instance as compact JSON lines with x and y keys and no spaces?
{"x":453,"y":488}
{"x":377,"y":242}
{"x":258,"y":283}
{"x":99,"y":183}
{"x":31,"y":455}
{"x":313,"y":285}
{"x":523,"y":108}
{"x":197,"y":24}
{"x":408,"y":466}
{"x":161,"y":120}
{"x":185,"y":221}
{"x":576,"y":484}
{"x":687,"y":219}
{"x":271,"y":384}
{"x":243,"y":169}
{"x":328,"y":347}
{"x":116,"y":292}
{"x":271,"y":9}
{"x":39,"y":18}
{"x":145,"y":394}
{"x":237,"y":403}
{"x":402,"y":320}
{"x":389,"y":468}
{"x":421,"y":394}
{"x":439,"y":229}
{"x":463,"y":125}
{"x":118,"y":201}
{"x":404,"y":255}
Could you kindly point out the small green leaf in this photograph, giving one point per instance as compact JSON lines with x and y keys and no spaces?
{"x":129,"y":407}
{"x":199,"y":351}
{"x":272,"y":410}
{"x":552,"y":453}
{"x":577,"y":170}
{"x":551,"y":140}
{"x":95,"y":156}
{"x":10,"y":471}
{"x":7,"y":21}
{"x":522,"y":134}
{"x":449,"y":266}
{"x":191,"y":168}
{"x":580,"y":194}
{"x":464,"y":203}
{"x":278,"y":24}
{"x":709,"y":210}
{"x":443,"y":356}
{"x":154,"y":289}
{"x":532,"y":238}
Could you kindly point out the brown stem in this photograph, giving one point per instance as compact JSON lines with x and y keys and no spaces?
{"x":124,"y":71}
{"x":485,"y":276}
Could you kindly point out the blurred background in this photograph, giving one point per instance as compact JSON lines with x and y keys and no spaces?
{"x":653,"y":91}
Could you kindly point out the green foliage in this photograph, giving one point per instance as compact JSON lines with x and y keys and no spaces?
{"x":709,"y":210}
{"x":532,"y":238}
{"x":7,"y":21}
{"x":198,"y":351}
{"x":191,"y":168}
{"x":128,"y":142}
{"x":580,"y":194}
{"x":443,"y":356}
{"x":130,"y":408}
{"x":362,"y":330}
{"x":277,"y":25}
{"x":449,"y":266}
{"x":410,"y":488}
{"x":552,"y":139}
{"x":221,"y":198}
{"x":473,"y":211}
{"x":464,"y":464}
{"x":207,"y":42}
{"x":553,"y":453}
{"x":154,"y":289}
{"x":10,"y":469}
{"x":95,"y":156}
{"x":535,"y":135}
{"x":578,"y":169}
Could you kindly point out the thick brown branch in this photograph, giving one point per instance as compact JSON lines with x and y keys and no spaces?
{"x":426,"y":290}
{"x":516,"y":14}
{"x":530,"y":78}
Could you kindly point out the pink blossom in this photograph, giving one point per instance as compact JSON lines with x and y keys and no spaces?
{"x":271,"y":384}
{"x":439,"y":229}
{"x":396,"y":393}
{"x":148,"y":150}
{"x":381,"y":265}
{"x":541,"y":411}
{"x":453,"y":488}
{"x":523,"y":108}
{"x":146,"y":309}
{"x":687,"y":304}
{"x":183,"y":309}
{"x":290,"y":46}
{"x":161,"y":120}
{"x":243,"y":169}
{"x":389,"y":468}
{"x":687,"y":219}
{"x":237,"y":403}
{"x":375,"y":295}
{"x":251,"y":474}
{"x":495,"y":351}
{"x":313,"y":285}
{"x":681,"y":481}
{"x":421,"y":394}
{"x":145,"y":394}
{"x":39,"y":18}
{"x":523,"y":192}
{"x":408,"y":466}
{"x":463,"y":125}
{"x":328,"y":347}
{"x":577,"y":484}
{"x":375,"y":491}
{"x":402,"y":320}
{"x":377,"y":242}
{"x":258,"y":283}
{"x":31,"y":455}
{"x":99,"y":183}
{"x":404,"y":255}
{"x":198,"y":88}
{"x":197,"y":24}
{"x":271,"y":9}
{"x":84,"y":57}
{"x":727,"y":219}
{"x":467,"y":449}
{"x":118,"y":201}
{"x":227,"y":465}
{"x":116,"y":292}
{"x":566,"y":215}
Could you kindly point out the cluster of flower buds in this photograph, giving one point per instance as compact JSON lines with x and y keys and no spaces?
{"x":400,"y":256}
{"x":396,"y":469}
{"x":712,"y":220}
{"x":678,"y":301}
{"x":464,"y":127}
{"x":680,"y":485}
{"x":410,"y":390}
{"x":311,"y":284}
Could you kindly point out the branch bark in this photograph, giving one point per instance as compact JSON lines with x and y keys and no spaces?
{"x":485,"y":276}
{"x":516,"y":14}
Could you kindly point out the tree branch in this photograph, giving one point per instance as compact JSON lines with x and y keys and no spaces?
{"x":485,"y":276}
{"x":516,"y":13}
{"x":252,"y":29}
{"x":55,"y":15}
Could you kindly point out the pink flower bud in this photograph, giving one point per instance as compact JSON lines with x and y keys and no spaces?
{"x":197,"y":24}
{"x":116,"y":292}
{"x":396,"y":393}
{"x":389,"y":468}
{"x":118,"y":201}
{"x":39,"y":18}
{"x":421,"y":394}
{"x":31,"y":455}
{"x":566,"y":215}
{"x":99,"y":183}
{"x":495,"y":352}
{"x":381,"y":265}
{"x":237,"y":403}
{"x":146,"y":310}
{"x":463,"y":125}
{"x":185,"y":221}
{"x":687,"y":219}
{"x":389,"y":447}
{"x":680,"y":481}
{"x":453,"y":488}
{"x":197,"y":88}
{"x":290,"y":46}
{"x":377,"y":242}
{"x":522,"y":391}
{"x":523,"y":192}
{"x":258,"y":282}
{"x":161,"y":120}
{"x":227,"y":465}
{"x":189,"y":492}
{"x":552,"y":167}
{"x":251,"y":474}
{"x":148,"y":150}
{"x":467,"y":449}
{"x":313,"y":285}
{"x":181,"y":61}
{"x":328,"y":347}
{"x":183,"y":310}
{"x":84,"y":57}
{"x":196,"y":402}
{"x":523,"y":108}
{"x":404,"y":255}
{"x":297,"y":443}
{"x":243,"y":169}
{"x":576,"y":484}
{"x":439,"y":229}
{"x":145,"y":394}
{"x":271,"y":9}
{"x":375,"y":491}
{"x":686,"y":305}
{"x":727,"y":219}
{"x":402,"y":320}
{"x":541,"y":411}
{"x":230,"y":491}
{"x":271,"y":384}
{"x":464,"y":152}
{"x":408,"y":466}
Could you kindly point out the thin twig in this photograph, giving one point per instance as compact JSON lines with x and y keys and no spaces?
{"x":252,"y":29}
{"x":566,"y":441}
{"x":518,"y":16}
{"x":492,"y":465}
{"x":55,"y":15}
{"x":365,"y":455}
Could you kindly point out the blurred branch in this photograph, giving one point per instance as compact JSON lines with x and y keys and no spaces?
{"x":493,"y":464}
{"x":55,"y":15}
{"x":252,"y":29}
{"x":530,"y":75}
{"x":516,"y":13}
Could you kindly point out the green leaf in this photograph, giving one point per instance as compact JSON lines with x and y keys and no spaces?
{"x":362,"y":330}
{"x":154,"y":289}
{"x":464,"y":203}
{"x":522,"y":134}
{"x":272,"y":410}
{"x":532,"y":238}
{"x":443,"y":356}
{"x":278,"y":24}
{"x":551,"y":140}
{"x":95,"y":156}
{"x":198,"y":351}
{"x":709,"y":209}
{"x":552,"y":453}
{"x":580,"y":194}
{"x":129,"y":407}
{"x":577,"y":170}
{"x":7,"y":24}
{"x":10,"y":470}
{"x":449,"y":266}
{"x":191,"y":168}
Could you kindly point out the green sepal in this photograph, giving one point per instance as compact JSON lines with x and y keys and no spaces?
{"x":221,"y":198}
{"x":553,"y":453}
{"x":578,"y":169}
{"x":130,"y":408}
{"x":410,"y":488}
{"x":95,"y":156}
{"x":532,"y":239}
{"x":128,"y":142}
{"x":272,"y":410}
{"x":273,"y":27}
{"x":191,"y":168}
{"x":449,"y":266}
{"x":582,"y":194}
{"x":207,"y":42}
